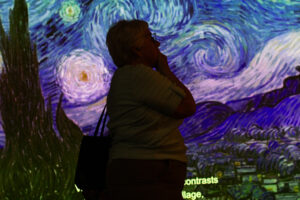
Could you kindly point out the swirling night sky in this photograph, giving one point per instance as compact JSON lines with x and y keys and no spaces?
{"x":222,"y":50}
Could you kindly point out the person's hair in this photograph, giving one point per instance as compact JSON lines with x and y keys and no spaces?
{"x":121,"y":37}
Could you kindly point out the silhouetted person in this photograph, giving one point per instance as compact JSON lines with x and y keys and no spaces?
{"x":145,"y":108}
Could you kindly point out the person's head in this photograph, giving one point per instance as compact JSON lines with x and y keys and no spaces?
{"x":130,"y":42}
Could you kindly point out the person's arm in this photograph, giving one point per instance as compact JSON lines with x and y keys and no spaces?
{"x":187,"y":107}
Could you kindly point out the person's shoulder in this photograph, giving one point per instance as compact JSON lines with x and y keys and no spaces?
{"x":122,"y":71}
{"x":146,"y":70}
{"x":139,"y":72}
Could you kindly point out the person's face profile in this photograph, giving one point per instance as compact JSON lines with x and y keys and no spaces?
{"x":148,"y":52}
{"x":152,"y":37}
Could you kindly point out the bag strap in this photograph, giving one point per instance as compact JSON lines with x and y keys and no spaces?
{"x":99,"y":122}
{"x":103,"y":125}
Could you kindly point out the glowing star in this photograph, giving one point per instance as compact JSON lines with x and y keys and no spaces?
{"x":69,"y":11}
{"x":83,"y":76}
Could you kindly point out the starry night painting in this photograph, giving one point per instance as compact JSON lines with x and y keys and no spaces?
{"x":239,"y":58}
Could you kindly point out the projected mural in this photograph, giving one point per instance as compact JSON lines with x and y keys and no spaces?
{"x":238,"y":58}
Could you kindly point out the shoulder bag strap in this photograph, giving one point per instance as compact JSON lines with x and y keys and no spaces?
{"x":99,"y":122}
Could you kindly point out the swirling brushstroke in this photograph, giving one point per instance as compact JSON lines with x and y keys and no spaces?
{"x":265,"y":72}
{"x":215,"y":50}
{"x":105,"y":14}
{"x":156,"y":13}
{"x":40,"y":11}
{"x":165,"y":17}
{"x":279,"y":2}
